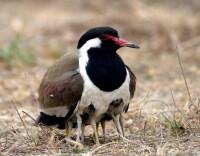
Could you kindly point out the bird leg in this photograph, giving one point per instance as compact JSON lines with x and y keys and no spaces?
{"x":97,"y":128}
{"x":93,"y":124}
{"x":117,"y":124}
{"x":79,"y":124}
{"x":103,"y":123}
{"x":121,"y":123}
{"x":68,"y":128}
{"x":83,"y":131}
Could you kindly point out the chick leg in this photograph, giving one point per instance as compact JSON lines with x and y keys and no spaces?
{"x":97,"y":128}
{"x":82,"y":134}
{"x":117,"y":123}
{"x":104,"y":130}
{"x":93,"y":124}
{"x":121,"y":123}
{"x":79,"y":124}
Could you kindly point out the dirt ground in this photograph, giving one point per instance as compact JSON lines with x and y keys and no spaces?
{"x":164,"y":116}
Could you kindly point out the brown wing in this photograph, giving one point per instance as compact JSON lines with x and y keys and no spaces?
{"x":62,"y":85}
{"x":132,"y":85}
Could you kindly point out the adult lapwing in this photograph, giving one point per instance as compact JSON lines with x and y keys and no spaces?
{"x":85,"y":86}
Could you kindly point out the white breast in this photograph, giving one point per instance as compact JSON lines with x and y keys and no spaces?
{"x":92,"y":94}
{"x":100,"y":99}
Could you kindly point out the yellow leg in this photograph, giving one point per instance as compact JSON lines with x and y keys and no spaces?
{"x":66,"y":128}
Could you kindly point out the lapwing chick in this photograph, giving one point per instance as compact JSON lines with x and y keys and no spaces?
{"x":83,"y":85}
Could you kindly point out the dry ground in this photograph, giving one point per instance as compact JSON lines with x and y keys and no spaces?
{"x":164,"y":117}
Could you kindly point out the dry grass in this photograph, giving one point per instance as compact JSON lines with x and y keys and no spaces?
{"x":164,"y":117}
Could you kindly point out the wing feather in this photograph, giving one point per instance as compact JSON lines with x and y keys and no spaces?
{"x":132,"y":85}
{"x":61,"y":87}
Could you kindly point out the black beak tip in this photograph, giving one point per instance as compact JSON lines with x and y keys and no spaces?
{"x":133,"y":46}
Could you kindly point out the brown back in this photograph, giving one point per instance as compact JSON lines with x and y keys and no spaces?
{"x":62,"y":85}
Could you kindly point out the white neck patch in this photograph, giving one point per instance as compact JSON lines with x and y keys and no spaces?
{"x":96,"y":42}
{"x":83,"y":55}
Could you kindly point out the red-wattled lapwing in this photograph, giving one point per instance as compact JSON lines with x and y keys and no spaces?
{"x":89,"y":85}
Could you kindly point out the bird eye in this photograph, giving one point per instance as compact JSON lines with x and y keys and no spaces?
{"x":103,"y":37}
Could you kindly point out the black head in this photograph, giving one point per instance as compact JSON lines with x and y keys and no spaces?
{"x":108,"y":37}
{"x":96,"y":33}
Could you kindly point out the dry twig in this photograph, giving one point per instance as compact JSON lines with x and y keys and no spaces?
{"x":29,"y":116}
{"x":74,"y":142}
{"x":23,"y":123}
{"x":183,"y":73}
{"x":98,"y":148}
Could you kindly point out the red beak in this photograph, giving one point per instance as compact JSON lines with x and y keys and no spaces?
{"x":121,"y":42}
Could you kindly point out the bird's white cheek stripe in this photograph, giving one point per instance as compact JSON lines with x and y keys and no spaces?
{"x":95,"y":42}
{"x":83,"y":55}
